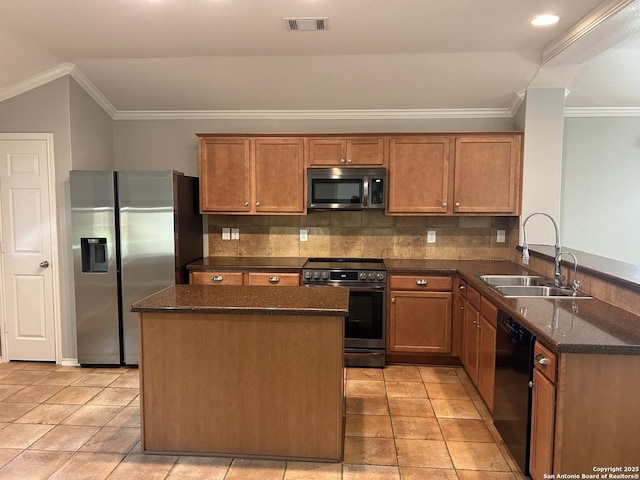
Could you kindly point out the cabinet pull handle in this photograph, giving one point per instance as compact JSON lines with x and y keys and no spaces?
{"x":217,"y":278}
{"x":274,"y":279}
{"x":460,"y":287}
{"x":422,"y":282}
{"x":542,"y":360}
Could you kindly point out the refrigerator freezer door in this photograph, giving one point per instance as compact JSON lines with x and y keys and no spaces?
{"x":95,"y":269}
{"x":147,"y":237}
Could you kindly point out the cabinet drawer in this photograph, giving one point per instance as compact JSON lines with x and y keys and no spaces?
{"x":473,"y":297}
{"x":420,"y":282}
{"x":489,"y":311}
{"x":216,"y":278}
{"x":548,"y":368}
{"x":275,"y":279}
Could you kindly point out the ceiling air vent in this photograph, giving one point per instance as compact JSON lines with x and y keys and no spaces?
{"x":307,"y":24}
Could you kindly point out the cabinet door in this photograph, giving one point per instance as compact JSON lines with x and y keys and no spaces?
{"x":274,"y":279}
{"x":224,"y":169}
{"x":279,"y":175}
{"x":470,"y":337}
{"x":420,"y":322}
{"x":327,"y":151}
{"x":216,"y":278}
{"x":487,"y":174}
{"x":542,"y":426}
{"x":419,"y":175}
{"x":487,"y":362}
{"x":365,"y":151}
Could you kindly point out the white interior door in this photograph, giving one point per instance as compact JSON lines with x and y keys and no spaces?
{"x":27,"y":250}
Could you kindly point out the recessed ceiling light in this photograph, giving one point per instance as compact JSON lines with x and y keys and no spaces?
{"x":543,"y":20}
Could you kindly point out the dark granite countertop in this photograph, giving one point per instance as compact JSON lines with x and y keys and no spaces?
{"x":585,"y":325}
{"x":282,"y":264}
{"x":247,"y":300}
{"x":564,"y":325}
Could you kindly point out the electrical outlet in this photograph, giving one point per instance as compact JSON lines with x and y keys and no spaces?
{"x":226,"y":234}
{"x":235,"y":234}
{"x":501,"y":236}
{"x":431,"y":236}
{"x":304,"y":235}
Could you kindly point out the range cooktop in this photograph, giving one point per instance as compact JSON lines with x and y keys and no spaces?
{"x":327,"y":263}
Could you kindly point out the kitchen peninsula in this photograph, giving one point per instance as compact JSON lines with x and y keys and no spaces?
{"x":244,"y":371}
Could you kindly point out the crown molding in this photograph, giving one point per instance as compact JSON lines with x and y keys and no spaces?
{"x":93,"y":91}
{"x":575,"y":112}
{"x":583,"y":28}
{"x":36,"y":81}
{"x":373,"y":114}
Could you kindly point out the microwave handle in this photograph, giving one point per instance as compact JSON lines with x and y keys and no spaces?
{"x":365,"y":193}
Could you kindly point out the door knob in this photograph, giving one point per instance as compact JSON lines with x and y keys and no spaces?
{"x":44,"y":264}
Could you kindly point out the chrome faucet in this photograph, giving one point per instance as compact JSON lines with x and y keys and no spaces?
{"x":557,"y":276}
{"x":576,"y":283}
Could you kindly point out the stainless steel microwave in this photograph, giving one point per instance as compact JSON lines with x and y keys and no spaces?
{"x":346,"y":188}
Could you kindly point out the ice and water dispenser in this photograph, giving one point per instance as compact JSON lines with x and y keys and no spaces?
{"x":94,"y":254}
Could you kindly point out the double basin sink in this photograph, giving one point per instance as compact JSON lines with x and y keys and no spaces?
{"x":528,"y":286}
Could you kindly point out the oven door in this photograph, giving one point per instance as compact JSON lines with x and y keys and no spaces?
{"x":364,"y":327}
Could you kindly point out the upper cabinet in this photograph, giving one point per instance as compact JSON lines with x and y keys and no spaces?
{"x":420,"y":170}
{"x":487,"y":175}
{"x":251,"y":175}
{"x":346,"y":152}
{"x":455,"y":174}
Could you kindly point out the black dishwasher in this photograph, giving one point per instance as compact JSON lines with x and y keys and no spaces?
{"x":512,"y":397}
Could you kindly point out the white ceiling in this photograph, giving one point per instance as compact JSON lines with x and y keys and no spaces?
{"x":145,"y":56}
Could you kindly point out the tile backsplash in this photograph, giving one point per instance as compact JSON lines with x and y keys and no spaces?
{"x":363,"y":234}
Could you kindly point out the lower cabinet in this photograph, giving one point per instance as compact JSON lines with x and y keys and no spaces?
{"x":245,"y":278}
{"x":542,"y":413}
{"x":419,"y":319}
{"x":479,"y":343}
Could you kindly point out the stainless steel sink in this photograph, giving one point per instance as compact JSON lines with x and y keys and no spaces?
{"x":516,"y":280}
{"x":528,"y":286}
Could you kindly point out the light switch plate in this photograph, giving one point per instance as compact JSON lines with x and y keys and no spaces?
{"x":431,"y":236}
{"x":304,"y":235}
{"x":501,"y":236}
{"x":235,"y":234}
{"x":226,"y":234}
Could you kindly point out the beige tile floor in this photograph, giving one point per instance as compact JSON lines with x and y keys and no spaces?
{"x":403,"y":422}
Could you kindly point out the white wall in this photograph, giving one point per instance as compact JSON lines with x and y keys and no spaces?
{"x":600,"y":197}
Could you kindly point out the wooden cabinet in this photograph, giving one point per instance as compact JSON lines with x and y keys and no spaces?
{"x":479,"y":343}
{"x":455,"y":174}
{"x":542,"y":413}
{"x":216,"y":278}
{"x":251,"y":175}
{"x":487,"y":351}
{"x":420,"y":170}
{"x":346,"y":151}
{"x":245,"y":278}
{"x":419,"y":314}
{"x":487,"y":176}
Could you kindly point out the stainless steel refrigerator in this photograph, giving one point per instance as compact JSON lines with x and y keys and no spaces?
{"x":134,"y":232}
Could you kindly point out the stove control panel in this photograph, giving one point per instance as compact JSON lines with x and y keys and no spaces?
{"x":312,"y":276}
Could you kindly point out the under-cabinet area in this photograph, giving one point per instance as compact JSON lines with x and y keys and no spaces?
{"x":435,"y":174}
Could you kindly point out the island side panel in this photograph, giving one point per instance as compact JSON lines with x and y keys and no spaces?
{"x":263,"y":385}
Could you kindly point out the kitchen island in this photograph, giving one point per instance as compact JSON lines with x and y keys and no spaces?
{"x":243,"y":371}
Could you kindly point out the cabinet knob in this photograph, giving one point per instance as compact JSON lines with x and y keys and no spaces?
{"x":460,"y":287}
{"x":531,"y":384}
{"x":217,"y":278}
{"x":342,"y":160}
{"x":257,"y":204}
{"x":421,"y":282}
{"x":393,"y":299}
{"x":457,"y":204}
{"x":274,"y":279}
{"x":542,"y":360}
{"x":444,"y":204}
{"x":246,"y":204}
{"x":348,"y":160}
